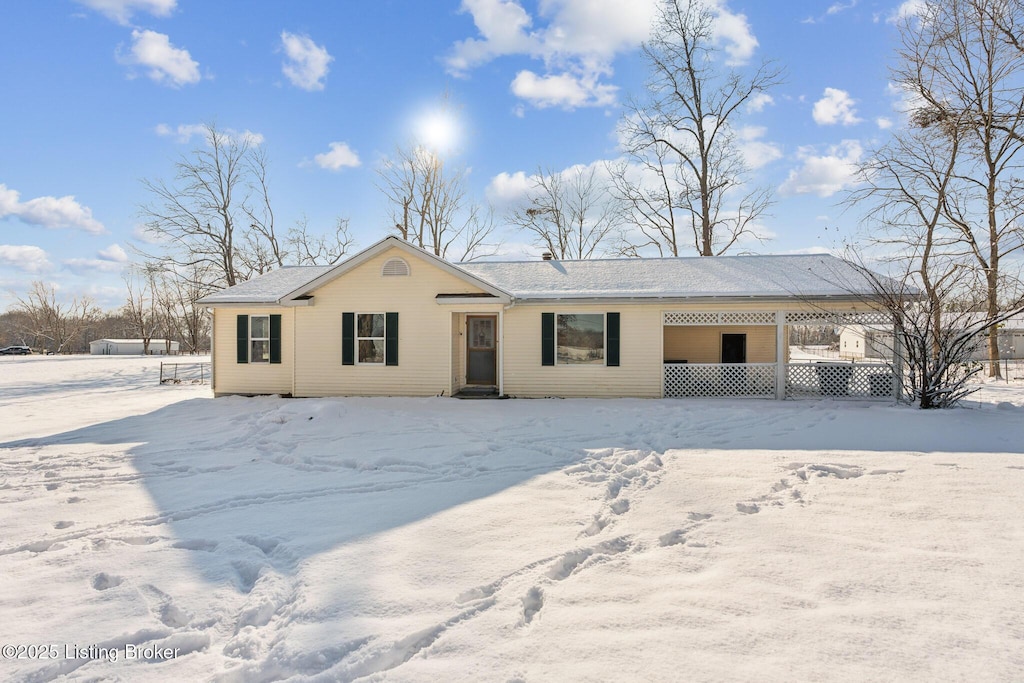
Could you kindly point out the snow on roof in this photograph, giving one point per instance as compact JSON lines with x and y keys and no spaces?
{"x":806,"y":275}
{"x":686,"y":277}
{"x":267,"y":288}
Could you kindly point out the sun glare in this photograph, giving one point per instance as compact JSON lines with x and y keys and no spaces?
{"x":438,"y":130}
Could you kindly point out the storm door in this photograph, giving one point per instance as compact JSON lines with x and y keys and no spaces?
{"x":481,"y":351}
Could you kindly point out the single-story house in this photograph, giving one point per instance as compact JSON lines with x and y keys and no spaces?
{"x":131,"y":347}
{"x":395,"y":320}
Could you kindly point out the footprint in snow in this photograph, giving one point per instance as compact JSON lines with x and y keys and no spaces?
{"x":533,"y":601}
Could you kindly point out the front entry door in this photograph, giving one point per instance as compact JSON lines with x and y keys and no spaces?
{"x":481,"y":355}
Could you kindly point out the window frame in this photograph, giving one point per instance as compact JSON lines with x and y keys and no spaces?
{"x":383,"y":339}
{"x":604,"y":339}
{"x":252,"y":357}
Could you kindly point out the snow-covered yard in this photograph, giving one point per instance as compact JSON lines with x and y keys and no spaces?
{"x":445,"y":540}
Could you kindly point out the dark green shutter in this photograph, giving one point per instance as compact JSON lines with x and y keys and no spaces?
{"x":348,"y":338}
{"x":391,"y":339}
{"x":243,"y":339}
{"x":275,"y":338}
{"x":547,"y":338}
{"x":612,"y":352}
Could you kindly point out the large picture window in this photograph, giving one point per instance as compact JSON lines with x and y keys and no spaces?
{"x":580,"y":339}
{"x":259,"y":339}
{"x":370,"y":338}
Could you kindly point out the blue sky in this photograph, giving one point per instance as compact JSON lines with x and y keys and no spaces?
{"x":99,"y":94}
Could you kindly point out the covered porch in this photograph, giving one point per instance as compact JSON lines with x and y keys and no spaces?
{"x":746,"y":354}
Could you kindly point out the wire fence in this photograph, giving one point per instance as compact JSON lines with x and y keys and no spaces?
{"x":184,"y":373}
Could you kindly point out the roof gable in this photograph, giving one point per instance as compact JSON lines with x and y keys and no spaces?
{"x":293,"y":283}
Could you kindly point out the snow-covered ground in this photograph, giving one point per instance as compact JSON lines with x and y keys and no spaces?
{"x":445,"y":540}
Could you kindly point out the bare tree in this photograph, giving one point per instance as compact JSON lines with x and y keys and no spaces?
{"x":198,"y":219}
{"x":429,"y":207}
{"x":568,"y":213}
{"x":961,"y":63}
{"x":909,"y":188}
{"x":178,"y":292}
{"x":692,"y":178}
{"x":308,"y":249}
{"x":56,"y":323}
{"x":141,"y":308}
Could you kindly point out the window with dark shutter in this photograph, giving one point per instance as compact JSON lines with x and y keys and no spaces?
{"x":242,"y":352}
{"x":348,"y":338}
{"x":391,"y":339}
{"x":612,"y":328}
{"x":547,"y":338}
{"x":275,"y":338}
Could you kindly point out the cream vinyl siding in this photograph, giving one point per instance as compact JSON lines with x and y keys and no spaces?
{"x":232,"y":377}
{"x":639,"y":372}
{"x":703,"y":344}
{"x":424,"y":337}
{"x":458,"y":355}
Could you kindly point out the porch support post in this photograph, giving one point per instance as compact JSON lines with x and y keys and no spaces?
{"x":451,"y":352}
{"x":501,"y":352}
{"x":781,"y":344}
{"x":897,"y":363}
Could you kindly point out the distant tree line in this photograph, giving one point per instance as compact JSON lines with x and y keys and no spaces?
{"x":47,"y":324}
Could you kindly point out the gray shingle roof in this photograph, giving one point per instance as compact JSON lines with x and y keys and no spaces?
{"x":267,"y":288}
{"x":809,"y":275}
{"x":686,"y":277}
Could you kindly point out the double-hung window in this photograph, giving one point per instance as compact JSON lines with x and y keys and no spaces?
{"x":370,"y":338}
{"x":259,"y":339}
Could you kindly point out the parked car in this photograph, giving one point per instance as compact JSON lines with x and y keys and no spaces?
{"x":15,"y":351}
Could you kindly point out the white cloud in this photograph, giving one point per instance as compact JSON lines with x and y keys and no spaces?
{"x":121,"y":11}
{"x":835,"y":107}
{"x":113,"y":259}
{"x":756,"y":152}
{"x":906,"y":9}
{"x":183,"y":133}
{"x":577,"y":41}
{"x":81,"y":266}
{"x":505,"y":188}
{"x":733,"y":34}
{"x":824,"y":174}
{"x":884,"y":123}
{"x":758,"y":101}
{"x":166,"y":64}
{"x":562,"y":90}
{"x":837,"y":7}
{"x":306,"y":63}
{"x":340,"y":156}
{"x":114,"y":253}
{"x":49,"y":212}
{"x":26,"y":257}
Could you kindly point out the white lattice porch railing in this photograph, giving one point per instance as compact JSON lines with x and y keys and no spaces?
{"x":720,"y":380}
{"x":840,"y":380}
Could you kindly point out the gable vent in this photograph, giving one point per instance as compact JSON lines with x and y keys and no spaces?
{"x":394,"y":267}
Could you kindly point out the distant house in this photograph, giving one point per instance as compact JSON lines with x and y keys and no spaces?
{"x":876,"y":341}
{"x":131,"y":347}
{"x":395,"y":320}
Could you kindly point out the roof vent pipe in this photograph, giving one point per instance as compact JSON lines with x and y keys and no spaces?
{"x":547,"y":256}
